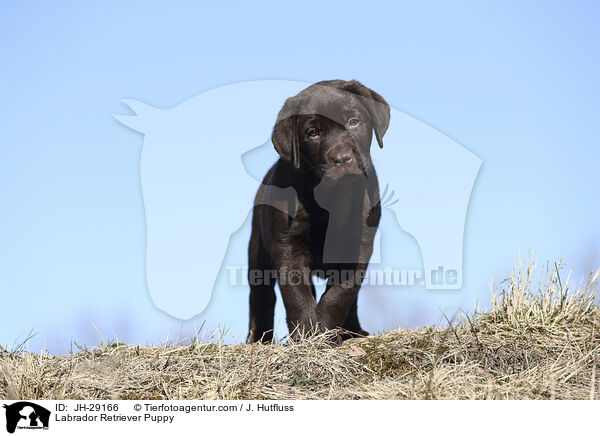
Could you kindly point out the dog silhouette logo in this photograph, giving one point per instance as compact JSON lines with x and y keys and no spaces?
{"x":201,"y":162}
{"x":26,"y":415}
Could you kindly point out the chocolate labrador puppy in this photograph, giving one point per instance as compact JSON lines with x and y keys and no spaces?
{"x":323,"y":136}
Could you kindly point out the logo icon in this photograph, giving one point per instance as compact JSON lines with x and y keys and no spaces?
{"x":26,"y":415}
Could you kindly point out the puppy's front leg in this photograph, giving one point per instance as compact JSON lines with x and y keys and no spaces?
{"x":298,"y":292}
{"x":338,"y":298}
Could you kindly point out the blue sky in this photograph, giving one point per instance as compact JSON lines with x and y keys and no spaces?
{"x":514,"y":82}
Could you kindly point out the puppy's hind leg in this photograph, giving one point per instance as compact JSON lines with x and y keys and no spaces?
{"x":262,"y":293}
{"x":262,"y":313}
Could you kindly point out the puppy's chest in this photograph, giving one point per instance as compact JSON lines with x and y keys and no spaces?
{"x":344,"y":219}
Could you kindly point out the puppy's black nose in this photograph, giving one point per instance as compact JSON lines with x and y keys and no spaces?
{"x":342,"y":158}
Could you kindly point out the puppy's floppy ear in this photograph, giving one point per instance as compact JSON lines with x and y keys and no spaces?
{"x":286,"y":141}
{"x":378,"y":109}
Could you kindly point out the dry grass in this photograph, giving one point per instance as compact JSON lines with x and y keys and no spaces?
{"x":540,"y":343}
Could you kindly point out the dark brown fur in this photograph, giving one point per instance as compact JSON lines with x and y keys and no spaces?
{"x":323,"y":136}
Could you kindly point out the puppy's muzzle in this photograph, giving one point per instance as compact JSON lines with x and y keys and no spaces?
{"x":344,"y":159}
{"x":341,"y":158}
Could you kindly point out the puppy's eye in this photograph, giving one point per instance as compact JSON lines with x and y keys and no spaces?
{"x":313,"y":133}
{"x":353,"y":122}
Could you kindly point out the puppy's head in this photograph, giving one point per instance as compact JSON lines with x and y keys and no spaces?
{"x":327,"y":129}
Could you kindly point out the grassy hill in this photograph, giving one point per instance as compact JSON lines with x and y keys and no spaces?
{"x":536,"y":341}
